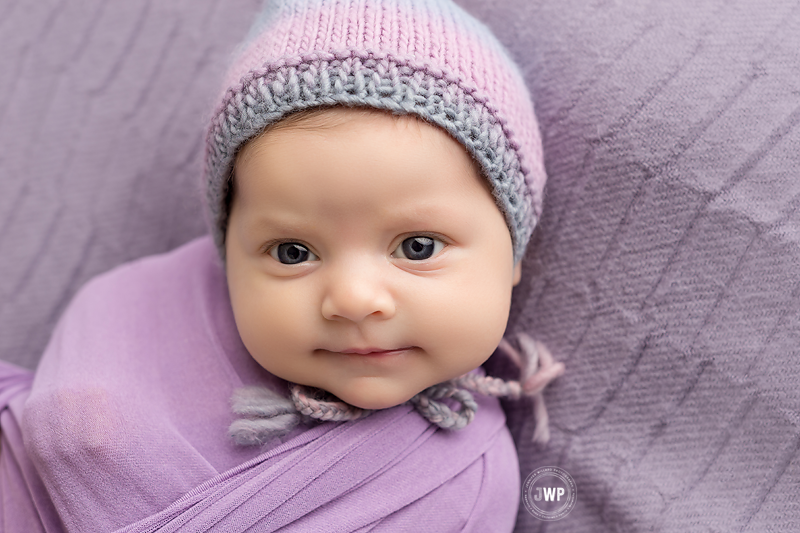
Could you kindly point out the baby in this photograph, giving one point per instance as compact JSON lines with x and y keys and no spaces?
{"x":332,"y":104}
{"x":374,"y":174}
{"x":393,"y":272}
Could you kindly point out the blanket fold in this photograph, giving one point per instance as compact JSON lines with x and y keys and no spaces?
{"x":124,"y":428}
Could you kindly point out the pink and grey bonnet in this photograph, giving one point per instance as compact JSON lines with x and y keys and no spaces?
{"x":423,"y":57}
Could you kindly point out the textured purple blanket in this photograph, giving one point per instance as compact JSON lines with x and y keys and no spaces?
{"x":665,"y":273}
{"x":124,"y":428}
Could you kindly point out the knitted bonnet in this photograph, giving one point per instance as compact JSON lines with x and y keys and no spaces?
{"x":423,"y":57}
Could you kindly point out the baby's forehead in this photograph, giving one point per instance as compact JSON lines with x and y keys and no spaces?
{"x":354,"y":144}
{"x":329,"y":120}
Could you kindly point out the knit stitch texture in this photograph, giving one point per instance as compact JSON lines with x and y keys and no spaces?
{"x":422,"y":57}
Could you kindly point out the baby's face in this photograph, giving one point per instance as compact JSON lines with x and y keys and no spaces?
{"x":366,"y":258}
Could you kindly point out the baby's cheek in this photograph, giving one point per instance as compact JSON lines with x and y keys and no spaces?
{"x":476,"y":321}
{"x":266,"y":322}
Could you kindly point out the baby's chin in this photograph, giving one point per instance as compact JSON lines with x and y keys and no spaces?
{"x":374,"y":396}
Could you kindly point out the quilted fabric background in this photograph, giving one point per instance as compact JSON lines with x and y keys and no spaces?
{"x":665,"y":272}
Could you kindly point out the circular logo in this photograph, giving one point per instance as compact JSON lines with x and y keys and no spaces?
{"x":549,"y":493}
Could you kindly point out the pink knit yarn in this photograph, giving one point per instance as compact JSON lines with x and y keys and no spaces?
{"x":426,"y":57}
{"x":431,"y":34}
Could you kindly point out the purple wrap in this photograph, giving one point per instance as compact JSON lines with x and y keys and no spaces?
{"x":124,"y":427}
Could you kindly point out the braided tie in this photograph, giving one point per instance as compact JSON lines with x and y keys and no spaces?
{"x":323,"y":410}
{"x":428,"y":405}
{"x":268,"y":415}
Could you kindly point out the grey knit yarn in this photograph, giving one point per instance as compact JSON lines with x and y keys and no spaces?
{"x":353,"y":81}
{"x":423,"y":57}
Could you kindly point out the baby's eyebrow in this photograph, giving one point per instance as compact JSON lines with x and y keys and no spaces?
{"x":280,"y":224}
{"x":427,"y":213}
{"x":403,"y":217}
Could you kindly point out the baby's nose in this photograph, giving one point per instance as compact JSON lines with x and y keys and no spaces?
{"x":355,"y":294}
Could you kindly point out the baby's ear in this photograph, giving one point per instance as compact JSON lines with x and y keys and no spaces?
{"x":517,"y":273}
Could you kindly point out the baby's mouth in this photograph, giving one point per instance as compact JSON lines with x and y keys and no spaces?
{"x":373,"y":351}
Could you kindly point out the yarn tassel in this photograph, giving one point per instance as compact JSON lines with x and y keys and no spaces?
{"x":266,"y":416}
{"x":537,"y":369}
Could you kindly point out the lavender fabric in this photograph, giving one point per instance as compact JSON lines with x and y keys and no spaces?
{"x":664,"y":272}
{"x":125,"y":428}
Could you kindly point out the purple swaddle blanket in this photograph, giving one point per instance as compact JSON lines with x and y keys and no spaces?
{"x":124,"y":427}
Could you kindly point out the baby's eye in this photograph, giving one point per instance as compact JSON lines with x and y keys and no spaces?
{"x":418,"y":248}
{"x":291,"y":253}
